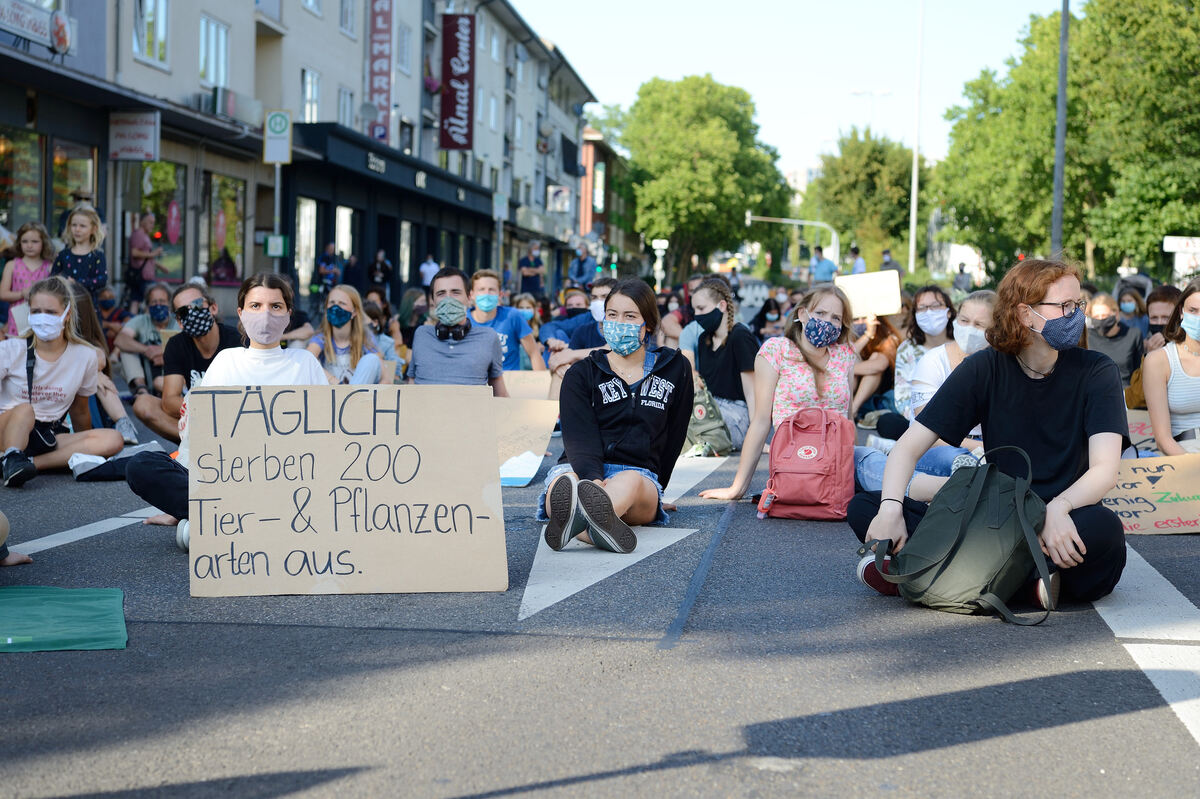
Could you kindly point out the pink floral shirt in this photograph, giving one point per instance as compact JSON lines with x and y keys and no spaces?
{"x":797,"y":388}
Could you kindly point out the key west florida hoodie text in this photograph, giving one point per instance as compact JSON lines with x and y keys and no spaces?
{"x":606,"y":421}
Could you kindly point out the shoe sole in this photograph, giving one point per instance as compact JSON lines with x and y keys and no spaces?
{"x":21,"y":476}
{"x":1047,"y":597}
{"x":563,"y":507}
{"x":864,"y":577}
{"x":607,"y":529}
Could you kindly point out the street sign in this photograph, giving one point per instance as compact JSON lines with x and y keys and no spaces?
{"x":1181,"y":244}
{"x":277,"y":136}
{"x":499,"y":205}
{"x":661,"y":244}
{"x":133,"y":135}
{"x":275,"y":246}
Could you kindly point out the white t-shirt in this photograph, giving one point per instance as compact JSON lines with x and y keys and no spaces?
{"x":239,"y":366}
{"x":428,"y":270}
{"x":55,"y":383}
{"x":932,"y":370}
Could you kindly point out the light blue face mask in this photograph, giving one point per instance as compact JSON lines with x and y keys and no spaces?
{"x":1128,"y":307}
{"x":526,"y":313}
{"x":487,"y":302}
{"x":1190,"y":322}
{"x":623,"y":338}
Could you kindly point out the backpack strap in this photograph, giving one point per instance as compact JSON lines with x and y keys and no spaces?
{"x":29,"y":364}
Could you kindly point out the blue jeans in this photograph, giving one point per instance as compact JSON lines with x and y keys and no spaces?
{"x":368,"y":371}
{"x":610,"y":469}
{"x":869,"y":464}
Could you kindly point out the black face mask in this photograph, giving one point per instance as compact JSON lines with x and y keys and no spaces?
{"x":1104,"y":325}
{"x":1156,"y":329}
{"x":709,"y":322}
{"x":577,"y":311}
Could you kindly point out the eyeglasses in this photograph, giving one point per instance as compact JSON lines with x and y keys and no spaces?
{"x":181,"y":313}
{"x":1068,"y":308}
{"x":937,"y":306}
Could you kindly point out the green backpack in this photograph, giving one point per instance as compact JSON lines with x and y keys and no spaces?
{"x":706,"y":430}
{"x":976,"y":546}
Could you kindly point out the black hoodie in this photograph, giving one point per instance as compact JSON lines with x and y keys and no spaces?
{"x":603,"y":421}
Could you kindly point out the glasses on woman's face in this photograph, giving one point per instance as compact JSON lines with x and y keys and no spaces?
{"x":937,"y":305}
{"x":181,"y":313}
{"x":1068,"y":308}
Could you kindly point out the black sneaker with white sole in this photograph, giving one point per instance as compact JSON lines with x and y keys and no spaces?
{"x":562,"y":506}
{"x":17,"y":469}
{"x":604,"y":525}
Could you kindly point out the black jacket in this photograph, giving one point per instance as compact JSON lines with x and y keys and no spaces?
{"x":604,"y":422}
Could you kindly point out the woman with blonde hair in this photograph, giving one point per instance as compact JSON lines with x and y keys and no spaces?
{"x":810,"y":366}
{"x":82,"y":260}
{"x":343,"y":347}
{"x":33,"y":262}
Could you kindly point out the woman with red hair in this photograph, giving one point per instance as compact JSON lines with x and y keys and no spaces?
{"x":1036,"y":388}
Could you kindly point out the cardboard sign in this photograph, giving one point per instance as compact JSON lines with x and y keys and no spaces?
{"x":166,"y":335}
{"x":343,"y":489}
{"x":872,"y":292}
{"x":1158,"y":495}
{"x":528,"y":384}
{"x":523,"y":428}
{"x":1141,"y":432}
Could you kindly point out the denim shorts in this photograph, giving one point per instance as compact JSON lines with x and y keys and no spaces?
{"x":610,"y":469}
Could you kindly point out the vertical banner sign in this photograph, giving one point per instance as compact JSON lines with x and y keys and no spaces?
{"x":344,"y":489}
{"x":380,"y":67}
{"x":458,"y":82}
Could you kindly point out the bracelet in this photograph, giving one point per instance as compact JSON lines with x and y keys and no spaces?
{"x":892,"y":499}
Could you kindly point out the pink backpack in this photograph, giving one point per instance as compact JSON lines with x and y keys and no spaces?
{"x":811,"y":467}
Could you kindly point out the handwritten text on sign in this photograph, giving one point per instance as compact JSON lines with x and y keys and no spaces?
{"x":1158,"y":495}
{"x":344,"y":489}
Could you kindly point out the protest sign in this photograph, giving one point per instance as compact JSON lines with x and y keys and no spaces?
{"x":869,"y":293}
{"x":528,"y":385}
{"x":344,"y":489}
{"x":1157,"y":495}
{"x":523,"y":428}
{"x":1141,"y":433}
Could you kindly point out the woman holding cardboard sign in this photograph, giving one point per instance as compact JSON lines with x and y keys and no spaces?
{"x":1171,"y":379}
{"x":625,"y":414}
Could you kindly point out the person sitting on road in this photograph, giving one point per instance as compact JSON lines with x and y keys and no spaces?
{"x":676,"y":320}
{"x":453,"y":351}
{"x":556,"y":334}
{"x":625,"y":412}
{"x":1038,"y":390}
{"x":1113,"y":337}
{"x":1159,"y":307}
{"x":343,"y":347}
{"x":1171,"y":378}
{"x":725,"y":355}
{"x":933,"y":319}
{"x":377,"y":326}
{"x":1132,"y":305}
{"x":110,"y":410}
{"x":584,"y":339}
{"x":514,"y":332}
{"x":810,"y":366}
{"x":186,"y":358}
{"x":141,"y":345}
{"x":113,"y":317}
{"x":875,"y":371}
{"x":64,"y":377}
{"x":265,"y":302}
{"x":769,"y":321}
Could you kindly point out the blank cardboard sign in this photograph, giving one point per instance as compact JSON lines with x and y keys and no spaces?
{"x":1157,"y":495}
{"x":523,"y":428}
{"x":528,"y":385}
{"x":344,"y":489}
{"x":872,"y":292}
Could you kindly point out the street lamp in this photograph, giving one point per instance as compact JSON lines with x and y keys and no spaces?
{"x":660,"y":249}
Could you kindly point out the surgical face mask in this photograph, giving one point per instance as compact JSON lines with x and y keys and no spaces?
{"x":624,"y":338}
{"x":1128,"y":307}
{"x":197,"y":321}
{"x":526,"y":313}
{"x":338,"y":316}
{"x":969,"y":338}
{"x":487,"y":302}
{"x":780,"y":297}
{"x":672,"y":306}
{"x":597,"y":309}
{"x":821,"y":332}
{"x":1190,"y":322}
{"x":933,"y":322}
{"x":1063,"y":333}
{"x":772,"y":317}
{"x":160,"y":313}
{"x":450,"y":312}
{"x":48,"y":326}
{"x":263,"y":327}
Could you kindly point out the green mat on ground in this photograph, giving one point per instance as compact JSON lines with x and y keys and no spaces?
{"x":38,"y":618}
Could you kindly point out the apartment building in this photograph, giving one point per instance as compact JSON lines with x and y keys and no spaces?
{"x":606,"y":210}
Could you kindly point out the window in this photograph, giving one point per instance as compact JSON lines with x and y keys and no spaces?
{"x":494,"y":183}
{"x":479,"y":104}
{"x":150,"y":30}
{"x":479,"y":171}
{"x":312,"y":5}
{"x":406,"y":138}
{"x":517,"y":130}
{"x":345,"y":230}
{"x":403,"y":48}
{"x":403,"y":258}
{"x":464,"y":159}
{"x":306,"y":240}
{"x":495,"y":46}
{"x":214,"y":52}
{"x":161,"y":188}
{"x":74,"y":169}
{"x":21,"y":172}
{"x":345,"y":107}
{"x":481,"y":32}
{"x":310,"y":94}
{"x":520,"y":70}
{"x":444,"y":159}
{"x":492,"y":111}
{"x":528,"y":189}
{"x":226,"y":229}
{"x":346,"y":16}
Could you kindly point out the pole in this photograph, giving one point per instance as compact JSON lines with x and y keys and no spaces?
{"x":912,"y":199}
{"x":278,"y":206}
{"x":1060,"y":135}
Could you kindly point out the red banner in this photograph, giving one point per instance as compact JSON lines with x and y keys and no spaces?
{"x":458,"y":82}
{"x":379,"y":66}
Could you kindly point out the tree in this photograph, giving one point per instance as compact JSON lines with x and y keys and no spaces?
{"x":698,"y":166}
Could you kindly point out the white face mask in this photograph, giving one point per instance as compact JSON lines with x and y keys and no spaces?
{"x":933,"y":322}
{"x":47,"y":326}
{"x":781,"y":298}
{"x":672,"y":306}
{"x":597,"y":308}
{"x":969,"y":338}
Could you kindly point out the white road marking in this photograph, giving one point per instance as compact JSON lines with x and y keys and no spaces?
{"x":1175,"y":672}
{"x":558,"y":575}
{"x":688,"y":472}
{"x":86,"y":531}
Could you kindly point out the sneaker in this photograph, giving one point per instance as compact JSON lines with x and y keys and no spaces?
{"x":869,"y":419}
{"x":604,"y":525}
{"x":963,"y":461}
{"x":182,"y":537}
{"x":562,"y":506}
{"x":880,"y":443}
{"x":17,"y":469}
{"x":127,"y":430}
{"x":1046,"y":596}
{"x":869,"y":576}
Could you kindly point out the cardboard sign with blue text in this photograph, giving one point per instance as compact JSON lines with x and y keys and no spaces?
{"x":344,"y":489}
{"x":1157,"y":495}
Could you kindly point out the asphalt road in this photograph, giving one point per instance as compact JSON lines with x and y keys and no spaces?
{"x":743,"y":660}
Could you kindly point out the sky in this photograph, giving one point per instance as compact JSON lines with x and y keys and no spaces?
{"x":802,"y":61}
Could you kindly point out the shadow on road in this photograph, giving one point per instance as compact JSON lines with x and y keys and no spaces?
{"x":256,"y":786}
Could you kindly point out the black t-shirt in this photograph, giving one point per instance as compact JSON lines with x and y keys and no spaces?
{"x":587,"y":337}
{"x":180,"y":356}
{"x":530,"y":284}
{"x":1125,"y":348}
{"x":1051,"y":419}
{"x":722,"y":369}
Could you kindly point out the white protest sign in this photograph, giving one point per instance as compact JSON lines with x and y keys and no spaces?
{"x":523,"y":428}
{"x":1157,"y":495}
{"x":869,"y":293}
{"x":344,"y":489}
{"x":527,"y":384}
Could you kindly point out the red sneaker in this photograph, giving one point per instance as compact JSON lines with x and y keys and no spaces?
{"x":869,"y":576}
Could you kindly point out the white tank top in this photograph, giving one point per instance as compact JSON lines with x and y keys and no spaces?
{"x":1183,"y":394}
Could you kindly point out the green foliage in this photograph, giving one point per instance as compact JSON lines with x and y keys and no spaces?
{"x":609,"y":121}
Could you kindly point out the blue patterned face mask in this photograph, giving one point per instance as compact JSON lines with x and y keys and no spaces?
{"x":1063,"y":333}
{"x":337,"y":315}
{"x":623,"y":338}
{"x":821,"y":332}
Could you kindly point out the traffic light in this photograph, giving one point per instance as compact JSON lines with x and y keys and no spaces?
{"x":747,"y":218}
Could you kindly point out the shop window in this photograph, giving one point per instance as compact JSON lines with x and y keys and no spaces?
{"x":306,"y":241}
{"x":445,"y":248}
{"x":150,"y":30}
{"x":20,"y":178}
{"x":310,"y":95}
{"x":406,"y":138}
{"x":404,"y":257}
{"x":74,"y":169}
{"x":214,"y":52}
{"x":345,"y":231}
{"x":464,"y":248}
{"x":226,"y":245}
{"x":159,"y":187}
